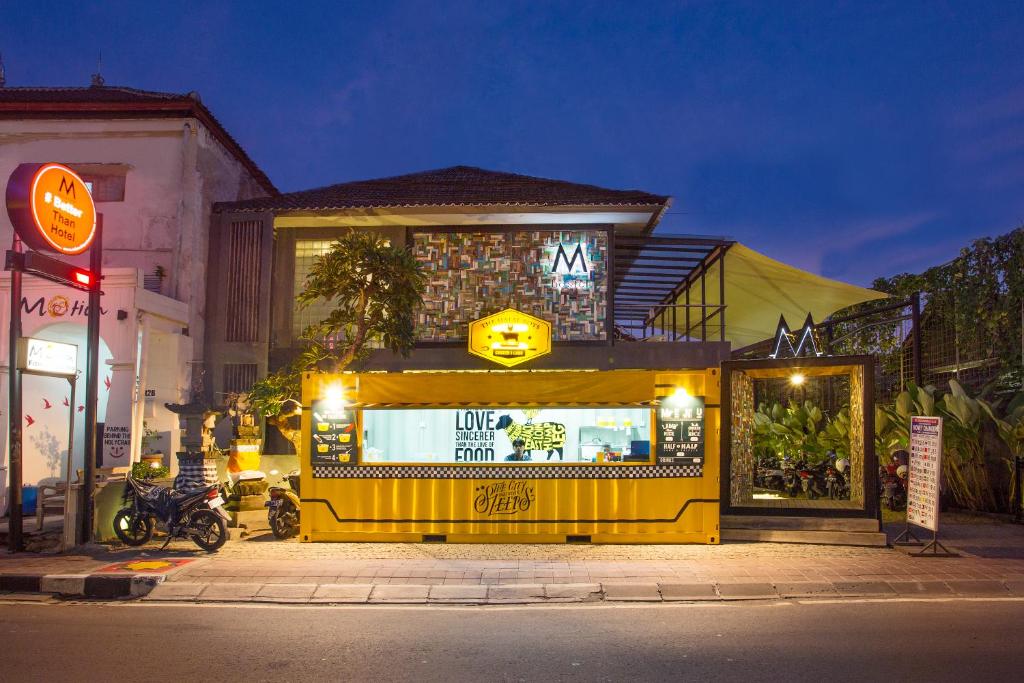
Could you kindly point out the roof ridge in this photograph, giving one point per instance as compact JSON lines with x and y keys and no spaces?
{"x":458,"y":185}
{"x":459,"y":167}
{"x":95,"y":88}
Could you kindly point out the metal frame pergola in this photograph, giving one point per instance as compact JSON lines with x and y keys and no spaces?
{"x":652,"y":272}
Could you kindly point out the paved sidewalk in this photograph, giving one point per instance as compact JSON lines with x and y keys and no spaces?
{"x":261,"y":569}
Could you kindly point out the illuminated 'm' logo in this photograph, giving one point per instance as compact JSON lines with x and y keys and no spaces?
{"x":563,"y":265}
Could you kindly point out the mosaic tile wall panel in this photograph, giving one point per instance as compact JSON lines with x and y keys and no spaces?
{"x":857,"y":445}
{"x":741,"y":479}
{"x":473,"y":274}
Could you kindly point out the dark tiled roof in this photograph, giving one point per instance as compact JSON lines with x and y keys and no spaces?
{"x":120,"y":102}
{"x":454,"y":186}
{"x":91,"y":94}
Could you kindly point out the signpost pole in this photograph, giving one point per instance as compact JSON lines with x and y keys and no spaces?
{"x":65,"y":541}
{"x":14,"y":530}
{"x":91,"y":384}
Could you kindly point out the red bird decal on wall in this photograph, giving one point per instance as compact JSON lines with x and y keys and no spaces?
{"x":46,"y":404}
{"x":66,"y":402}
{"x":81,"y":408}
{"x":29,"y":420}
{"x":106,"y":381}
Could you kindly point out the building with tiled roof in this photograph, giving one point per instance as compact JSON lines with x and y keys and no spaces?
{"x":452,"y":186}
{"x":119,"y":102}
{"x":155,"y":164}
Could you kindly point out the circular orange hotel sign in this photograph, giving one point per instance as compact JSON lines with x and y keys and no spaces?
{"x":51,"y":208}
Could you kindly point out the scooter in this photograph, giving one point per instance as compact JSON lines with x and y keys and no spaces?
{"x":197,"y":514}
{"x":894,"y":486}
{"x":283,"y":508}
{"x":812,"y":481}
{"x":836,"y":483}
{"x":769,"y":475}
{"x":792,"y":481}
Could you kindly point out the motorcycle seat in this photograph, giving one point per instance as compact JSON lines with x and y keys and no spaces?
{"x":179,"y":496}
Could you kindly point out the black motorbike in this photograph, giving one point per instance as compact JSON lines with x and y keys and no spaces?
{"x":197,"y":514}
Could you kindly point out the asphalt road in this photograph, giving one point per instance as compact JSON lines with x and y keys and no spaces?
{"x":890,"y":640}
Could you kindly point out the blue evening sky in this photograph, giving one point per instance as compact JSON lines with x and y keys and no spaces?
{"x":854,"y":139}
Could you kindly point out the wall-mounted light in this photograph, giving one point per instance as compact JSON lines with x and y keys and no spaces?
{"x":335,"y":395}
{"x":680,"y":396}
{"x":797,"y":379}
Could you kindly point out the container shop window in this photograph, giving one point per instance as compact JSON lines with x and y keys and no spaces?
{"x":487,"y":434}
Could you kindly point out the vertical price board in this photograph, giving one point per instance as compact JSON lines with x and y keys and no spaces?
{"x":679,"y":430}
{"x":335,"y":438}
{"x":925,"y":471}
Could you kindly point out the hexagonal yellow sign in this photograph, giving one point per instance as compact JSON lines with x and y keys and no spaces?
{"x":510,"y":337}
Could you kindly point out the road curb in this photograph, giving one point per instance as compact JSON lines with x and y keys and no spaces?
{"x":156,"y":588}
{"x":93,"y":586}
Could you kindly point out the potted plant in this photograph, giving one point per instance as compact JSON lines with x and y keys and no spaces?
{"x":149,"y":456}
{"x":149,"y":470}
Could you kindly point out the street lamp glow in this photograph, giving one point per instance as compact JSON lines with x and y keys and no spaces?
{"x":796,"y":379}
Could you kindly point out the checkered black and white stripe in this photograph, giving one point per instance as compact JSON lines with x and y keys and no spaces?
{"x":195,"y":472}
{"x":511,"y":472}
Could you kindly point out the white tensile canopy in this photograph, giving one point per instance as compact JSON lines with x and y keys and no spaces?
{"x":758,"y":289}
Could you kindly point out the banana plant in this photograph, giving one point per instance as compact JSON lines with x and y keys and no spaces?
{"x":888,"y":435}
{"x":964,"y":463}
{"x":836,"y":434}
{"x":1011,"y":430}
{"x":1011,"y":425}
{"x":794,"y":431}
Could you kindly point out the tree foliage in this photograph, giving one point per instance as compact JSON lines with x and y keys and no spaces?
{"x":978,"y":295}
{"x":375,"y":289}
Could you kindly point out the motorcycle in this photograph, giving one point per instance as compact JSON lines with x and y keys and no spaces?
{"x":835,"y":480}
{"x":894,"y":486}
{"x":792,"y":481}
{"x":769,"y":475}
{"x":812,"y":481}
{"x":283,"y":508}
{"x":197,"y":514}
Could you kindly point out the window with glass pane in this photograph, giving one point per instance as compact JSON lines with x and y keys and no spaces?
{"x":488,"y":434}
{"x":306,"y":253}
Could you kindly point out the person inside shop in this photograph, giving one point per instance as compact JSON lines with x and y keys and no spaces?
{"x":518,"y":451}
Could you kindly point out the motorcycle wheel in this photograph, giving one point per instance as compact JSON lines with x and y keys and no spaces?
{"x":133,"y":530}
{"x":211,"y":531}
{"x":281,"y":523}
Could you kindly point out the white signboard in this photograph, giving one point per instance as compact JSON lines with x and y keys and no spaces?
{"x":117,"y":440}
{"x":47,"y":357}
{"x":925,"y":470}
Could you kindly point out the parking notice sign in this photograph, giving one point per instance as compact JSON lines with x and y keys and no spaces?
{"x":925,"y":471}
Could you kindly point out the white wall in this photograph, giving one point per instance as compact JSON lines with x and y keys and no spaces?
{"x":177,"y":170}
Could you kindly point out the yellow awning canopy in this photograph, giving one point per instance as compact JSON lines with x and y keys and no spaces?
{"x":758,"y":289}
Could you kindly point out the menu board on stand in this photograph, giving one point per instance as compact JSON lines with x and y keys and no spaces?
{"x":679,"y":431}
{"x":334,"y":439}
{"x":924,"y":482}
